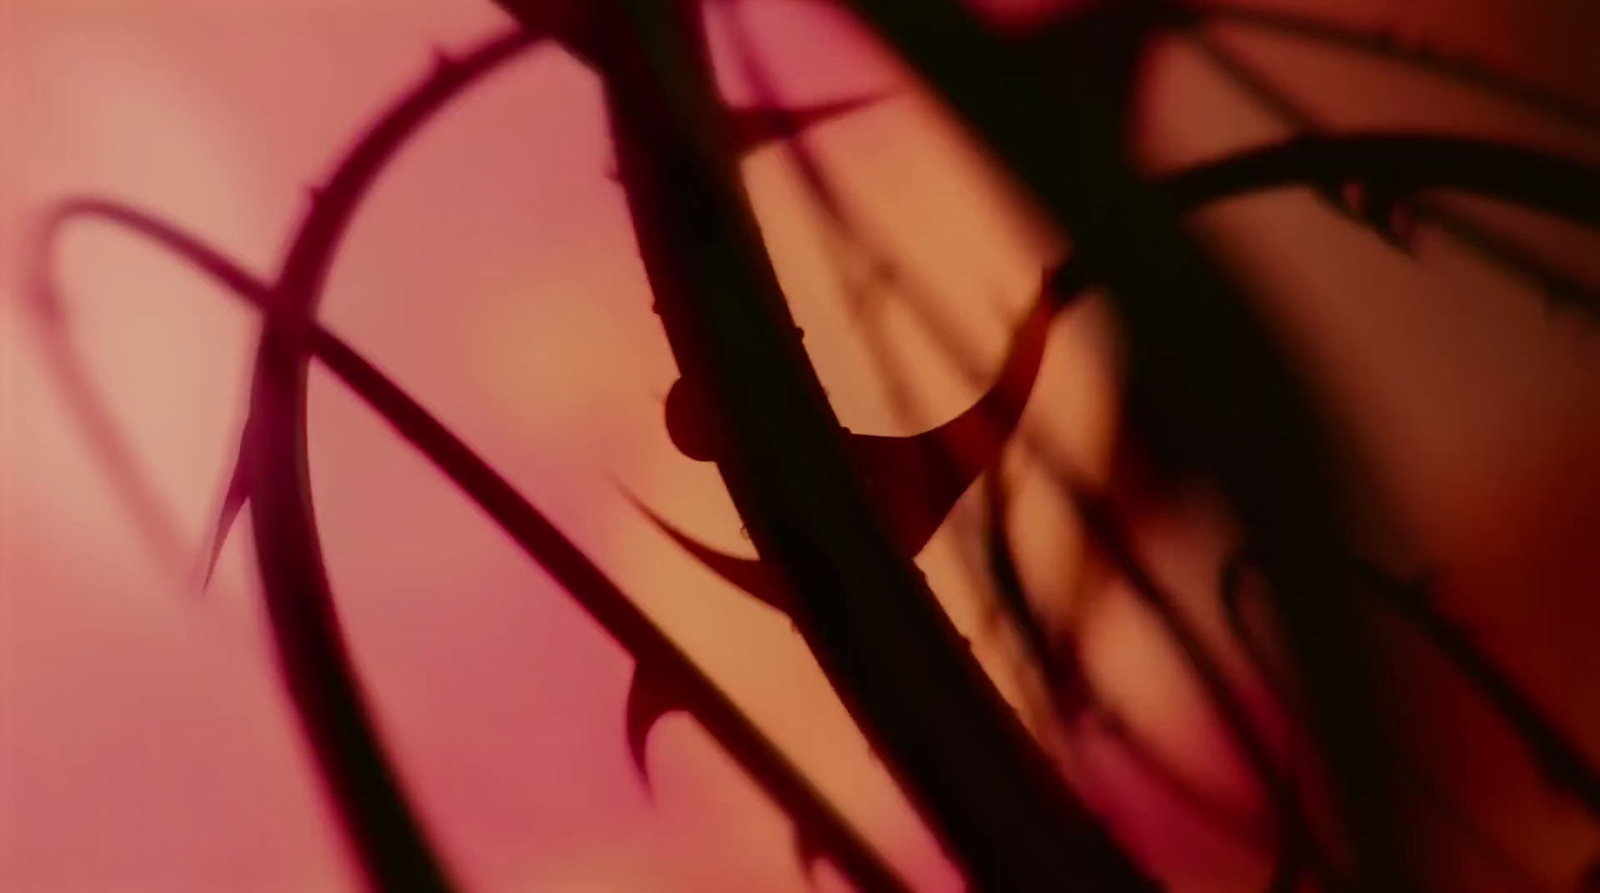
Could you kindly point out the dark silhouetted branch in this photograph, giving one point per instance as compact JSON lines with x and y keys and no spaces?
{"x":1559,"y":287}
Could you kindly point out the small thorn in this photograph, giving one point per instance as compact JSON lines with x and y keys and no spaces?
{"x":808,"y":852}
{"x":648,"y":701}
{"x":442,"y":60}
{"x":749,"y":575}
{"x":233,"y":500}
{"x":1382,"y":208}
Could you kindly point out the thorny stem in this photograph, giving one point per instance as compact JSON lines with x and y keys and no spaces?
{"x":695,"y":693}
{"x":153,"y":518}
{"x":921,"y":698}
{"x":819,"y":825}
{"x":1559,"y":286}
{"x":391,"y":846}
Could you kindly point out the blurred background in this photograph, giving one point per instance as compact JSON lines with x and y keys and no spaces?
{"x":144,"y":742}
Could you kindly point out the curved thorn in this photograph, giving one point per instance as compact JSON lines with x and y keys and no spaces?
{"x":154,"y":519}
{"x":649,"y":699}
{"x":597,"y":594}
{"x":305,"y":267}
{"x":914,"y":481}
{"x":917,"y":480}
{"x":747,"y":574}
{"x":233,"y":500}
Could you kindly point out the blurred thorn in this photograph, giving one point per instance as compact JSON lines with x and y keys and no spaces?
{"x":649,"y":699}
{"x":233,"y":500}
{"x":808,"y":853}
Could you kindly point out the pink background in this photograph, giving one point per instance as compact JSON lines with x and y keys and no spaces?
{"x":144,"y":744}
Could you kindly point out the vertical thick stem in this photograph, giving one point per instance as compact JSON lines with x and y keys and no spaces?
{"x":908,"y":678}
{"x":393,"y":851}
